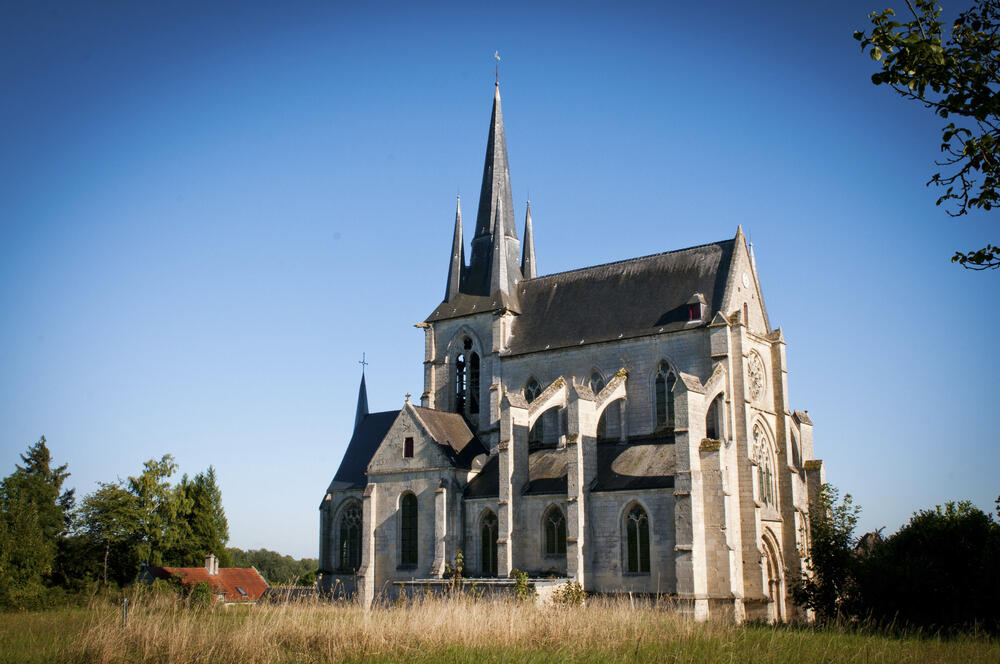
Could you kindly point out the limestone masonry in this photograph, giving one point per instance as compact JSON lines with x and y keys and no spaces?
{"x":625,"y":425}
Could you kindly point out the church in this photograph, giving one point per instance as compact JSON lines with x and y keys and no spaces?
{"x":626,"y":426}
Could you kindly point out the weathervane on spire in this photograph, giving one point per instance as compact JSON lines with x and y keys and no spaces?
{"x":363,"y":363}
{"x":496,"y":67}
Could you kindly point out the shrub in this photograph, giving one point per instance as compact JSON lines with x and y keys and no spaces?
{"x":570,"y":593}
{"x":523,"y":588}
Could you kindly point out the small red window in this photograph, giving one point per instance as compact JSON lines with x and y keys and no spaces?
{"x":694,"y":311}
{"x":408,"y":448}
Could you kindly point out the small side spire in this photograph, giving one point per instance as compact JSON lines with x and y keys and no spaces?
{"x":362,"y":401}
{"x":457,"y":266}
{"x":498,"y":271}
{"x":528,"y":267}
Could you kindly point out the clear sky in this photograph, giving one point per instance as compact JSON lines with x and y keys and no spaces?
{"x":209,"y":211}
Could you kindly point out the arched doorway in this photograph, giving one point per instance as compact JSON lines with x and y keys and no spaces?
{"x":774,"y":589}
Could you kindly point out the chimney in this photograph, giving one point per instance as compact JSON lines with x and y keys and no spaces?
{"x":212,"y":565}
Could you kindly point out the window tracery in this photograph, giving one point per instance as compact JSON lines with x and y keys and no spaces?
{"x":763,"y":455}
{"x":555,"y":531}
{"x":666,"y":379}
{"x":350,"y":537}
{"x":636,"y":541}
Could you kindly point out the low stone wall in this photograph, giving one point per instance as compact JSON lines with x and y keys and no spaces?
{"x":486,"y":588}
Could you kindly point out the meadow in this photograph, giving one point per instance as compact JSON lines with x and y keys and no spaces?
{"x":163,"y":629}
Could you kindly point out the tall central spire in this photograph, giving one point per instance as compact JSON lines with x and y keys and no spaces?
{"x":496,"y":212}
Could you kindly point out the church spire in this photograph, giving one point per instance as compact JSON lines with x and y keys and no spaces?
{"x":457,"y":256}
{"x":496,"y":210}
{"x":528,"y":268}
{"x":362,"y":411}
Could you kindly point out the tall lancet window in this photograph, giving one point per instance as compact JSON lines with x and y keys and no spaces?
{"x":763,"y":454}
{"x":467,"y":380}
{"x":408,"y":531}
{"x":350,"y":537}
{"x":665,"y":381}
{"x":636,"y":541}
{"x":488,"y":544}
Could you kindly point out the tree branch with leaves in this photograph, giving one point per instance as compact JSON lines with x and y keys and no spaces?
{"x":955,"y":72}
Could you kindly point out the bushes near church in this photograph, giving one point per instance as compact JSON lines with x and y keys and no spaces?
{"x":938,"y":572}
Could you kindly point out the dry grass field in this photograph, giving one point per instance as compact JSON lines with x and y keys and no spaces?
{"x":165,"y":630}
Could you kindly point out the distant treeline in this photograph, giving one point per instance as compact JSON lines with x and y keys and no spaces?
{"x":52,"y":547}
{"x":277,"y":570}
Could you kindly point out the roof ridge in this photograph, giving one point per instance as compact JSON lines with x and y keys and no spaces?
{"x":626,"y":260}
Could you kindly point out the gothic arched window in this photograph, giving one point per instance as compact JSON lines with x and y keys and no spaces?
{"x":714,"y":423}
{"x":554,"y":524}
{"x":467,"y":379}
{"x":636,"y":541}
{"x":408,"y":531}
{"x":350,"y":537}
{"x":665,"y":381}
{"x":763,"y":454}
{"x":488,"y":544}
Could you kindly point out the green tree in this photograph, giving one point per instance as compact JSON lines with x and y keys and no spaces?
{"x":277,"y":569}
{"x":35,"y":516}
{"x":25,"y":558}
{"x":939,"y":571}
{"x":158,"y":506}
{"x":830,"y":587}
{"x":111,"y":517}
{"x":41,"y":484}
{"x":955,"y":72}
{"x":201,"y":521}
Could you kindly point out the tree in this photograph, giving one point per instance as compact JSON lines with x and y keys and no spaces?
{"x":939,"y":571}
{"x":111,"y":517}
{"x":201,"y":520}
{"x":956,"y":74}
{"x":25,"y":560}
{"x":158,"y":506}
{"x":35,"y":516}
{"x":830,"y":586}
{"x":41,"y":485}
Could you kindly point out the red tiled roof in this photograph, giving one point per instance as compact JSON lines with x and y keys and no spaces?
{"x":226,"y":581}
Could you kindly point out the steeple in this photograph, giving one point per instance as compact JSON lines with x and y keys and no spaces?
{"x":496,"y":210}
{"x":457,"y":257}
{"x":499,"y":281}
{"x":528,"y":268}
{"x":362,"y":402}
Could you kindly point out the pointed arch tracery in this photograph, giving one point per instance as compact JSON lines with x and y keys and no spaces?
{"x":663,"y":393}
{"x":488,"y":529}
{"x":349,"y":536}
{"x":635,"y":536}
{"x":465,"y":380}
{"x":766,"y":459}
{"x":554,"y":531}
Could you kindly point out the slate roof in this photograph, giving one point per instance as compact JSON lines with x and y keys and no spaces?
{"x":228,"y":581}
{"x":353,"y":471}
{"x":619,"y":468}
{"x":627,"y":467}
{"x":626,"y":299}
{"x":451,"y":431}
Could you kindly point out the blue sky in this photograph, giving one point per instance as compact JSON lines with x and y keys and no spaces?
{"x":209,"y":213}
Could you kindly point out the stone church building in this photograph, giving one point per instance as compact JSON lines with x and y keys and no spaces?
{"x":625,"y":425}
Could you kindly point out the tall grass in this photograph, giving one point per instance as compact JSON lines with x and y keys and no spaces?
{"x":164,"y":629}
